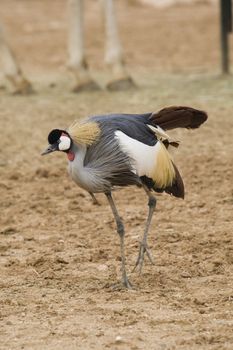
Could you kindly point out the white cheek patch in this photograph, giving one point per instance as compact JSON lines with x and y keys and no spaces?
{"x":64,"y":143}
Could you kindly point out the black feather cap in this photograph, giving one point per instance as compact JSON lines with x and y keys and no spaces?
{"x":55,"y":135}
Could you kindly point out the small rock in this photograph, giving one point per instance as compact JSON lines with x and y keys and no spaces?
{"x":61,"y":260}
{"x":102,"y":267}
{"x":185,"y":274}
{"x":118,"y":339}
{"x":8,"y":231}
{"x":100,"y":334}
{"x":199,"y":301}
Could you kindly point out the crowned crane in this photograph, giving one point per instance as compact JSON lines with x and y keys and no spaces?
{"x":109,"y":151}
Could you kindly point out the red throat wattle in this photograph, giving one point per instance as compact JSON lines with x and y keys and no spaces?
{"x":70,"y":156}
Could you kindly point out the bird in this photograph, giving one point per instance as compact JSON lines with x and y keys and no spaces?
{"x":107,"y":152}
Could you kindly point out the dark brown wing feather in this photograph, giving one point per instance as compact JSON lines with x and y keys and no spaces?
{"x":179,"y":117}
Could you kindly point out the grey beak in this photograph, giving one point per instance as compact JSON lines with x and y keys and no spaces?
{"x":49,"y":149}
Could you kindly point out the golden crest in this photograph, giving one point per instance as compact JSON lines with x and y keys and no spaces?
{"x":84,"y":133}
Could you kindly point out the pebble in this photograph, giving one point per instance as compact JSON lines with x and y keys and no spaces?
{"x":185,"y":274}
{"x":118,"y":339}
{"x":102,"y":267}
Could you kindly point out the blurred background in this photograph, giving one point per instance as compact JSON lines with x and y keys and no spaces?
{"x":159,"y":36}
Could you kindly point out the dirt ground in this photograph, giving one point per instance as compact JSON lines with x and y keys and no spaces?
{"x":59,"y":253}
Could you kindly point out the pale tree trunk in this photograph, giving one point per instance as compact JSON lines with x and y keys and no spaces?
{"x":77,"y":61}
{"x":113,"y":49}
{"x":11,"y":69}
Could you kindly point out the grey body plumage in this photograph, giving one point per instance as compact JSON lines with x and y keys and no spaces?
{"x":110,"y":151}
{"x":101,"y":167}
{"x":104,"y":166}
{"x":109,"y":163}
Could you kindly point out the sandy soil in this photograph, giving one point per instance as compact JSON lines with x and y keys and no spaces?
{"x":59,"y":254}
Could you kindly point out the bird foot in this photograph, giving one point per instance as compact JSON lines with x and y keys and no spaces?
{"x":140,"y":260}
{"x":124,"y":284}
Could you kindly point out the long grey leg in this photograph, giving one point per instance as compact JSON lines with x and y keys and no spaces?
{"x":143,"y":245}
{"x":121,"y":232}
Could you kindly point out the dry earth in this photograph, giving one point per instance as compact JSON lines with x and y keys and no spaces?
{"x":59,"y":254}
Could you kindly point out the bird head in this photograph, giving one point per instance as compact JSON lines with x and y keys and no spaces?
{"x":59,"y":140}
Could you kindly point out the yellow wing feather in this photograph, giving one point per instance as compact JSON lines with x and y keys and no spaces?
{"x":163,"y":173}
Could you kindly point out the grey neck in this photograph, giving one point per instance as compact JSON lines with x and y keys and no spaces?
{"x":79,"y":152}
